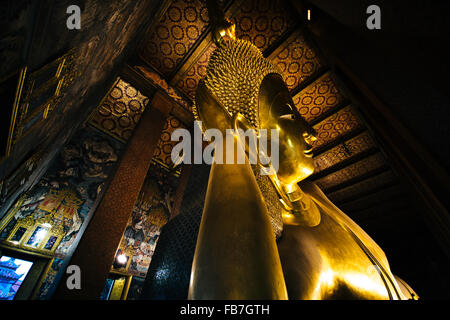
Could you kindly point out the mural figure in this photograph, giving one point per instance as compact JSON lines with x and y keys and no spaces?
{"x":151,"y":212}
{"x":61,"y":201}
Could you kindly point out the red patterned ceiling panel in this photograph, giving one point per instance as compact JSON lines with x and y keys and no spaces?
{"x":298,"y":61}
{"x":352,"y":171}
{"x":336,"y":125}
{"x":317,"y":98}
{"x":354,"y":146}
{"x":175,"y":34}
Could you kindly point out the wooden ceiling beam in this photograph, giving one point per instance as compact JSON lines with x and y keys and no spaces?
{"x":144,"y":85}
{"x":320,"y":73}
{"x":384,"y":168}
{"x":374,"y":198}
{"x":165,"y":4}
{"x":339,"y":140}
{"x":345,"y":163}
{"x":326,"y":114}
{"x":283,"y":42}
{"x":191,"y":58}
{"x":365,"y":193}
{"x":399,"y":200}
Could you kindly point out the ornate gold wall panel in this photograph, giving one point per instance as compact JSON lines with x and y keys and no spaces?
{"x":298,"y":62}
{"x":120,"y":111}
{"x":336,"y":125}
{"x":180,"y":27}
{"x":355,"y":170}
{"x":354,"y":146}
{"x":317,"y":98}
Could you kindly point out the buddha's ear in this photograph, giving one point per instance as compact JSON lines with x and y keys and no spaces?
{"x":209,"y":110}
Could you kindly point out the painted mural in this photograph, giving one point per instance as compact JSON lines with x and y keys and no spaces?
{"x":151,"y":211}
{"x":48,"y":218}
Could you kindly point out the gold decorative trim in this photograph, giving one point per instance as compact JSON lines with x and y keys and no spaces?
{"x":20,"y":84}
{"x":31,"y":88}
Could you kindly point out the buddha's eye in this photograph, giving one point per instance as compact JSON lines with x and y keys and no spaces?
{"x":288,"y":116}
{"x":287,"y":112}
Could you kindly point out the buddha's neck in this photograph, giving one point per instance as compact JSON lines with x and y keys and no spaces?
{"x":302,"y":209}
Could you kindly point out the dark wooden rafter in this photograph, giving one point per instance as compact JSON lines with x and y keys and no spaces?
{"x":300,"y":8}
{"x":142,"y":84}
{"x":283,"y":42}
{"x":329,"y":113}
{"x":427,"y":178}
{"x":165,"y":4}
{"x":290,"y":35}
{"x":377,"y":215}
{"x":339,"y":140}
{"x":375,"y":197}
{"x":321,"y":72}
{"x":191,"y":58}
{"x":370,"y":191}
{"x":391,"y":202}
{"x":344,"y":163}
{"x":384,"y":168}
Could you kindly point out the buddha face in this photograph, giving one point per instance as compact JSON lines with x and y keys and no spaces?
{"x":277,"y":111}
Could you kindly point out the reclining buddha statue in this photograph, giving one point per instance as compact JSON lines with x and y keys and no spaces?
{"x":274,"y":236}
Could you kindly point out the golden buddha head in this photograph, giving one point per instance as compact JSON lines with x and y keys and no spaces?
{"x":240,"y":81}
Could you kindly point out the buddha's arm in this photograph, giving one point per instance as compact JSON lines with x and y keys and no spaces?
{"x":236,"y":256}
{"x":378,"y":254}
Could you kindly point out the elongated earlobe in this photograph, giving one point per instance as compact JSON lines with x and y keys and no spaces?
{"x":208,"y":110}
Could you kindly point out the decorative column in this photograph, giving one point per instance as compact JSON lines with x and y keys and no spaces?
{"x":182,"y":184}
{"x":96,"y":250}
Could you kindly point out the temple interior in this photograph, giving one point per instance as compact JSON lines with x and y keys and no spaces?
{"x":86,"y":173}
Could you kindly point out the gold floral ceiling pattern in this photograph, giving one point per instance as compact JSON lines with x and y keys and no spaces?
{"x":262,"y":22}
{"x":177,"y":53}
{"x":335,"y":126}
{"x":120,"y":111}
{"x":319,"y":97}
{"x":298,"y":62}
{"x":189,"y":83}
{"x":180,"y":27}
